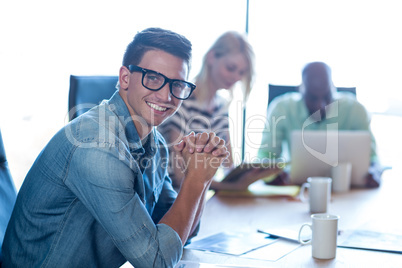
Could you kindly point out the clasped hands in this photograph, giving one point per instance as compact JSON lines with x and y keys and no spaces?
{"x":200,"y":155}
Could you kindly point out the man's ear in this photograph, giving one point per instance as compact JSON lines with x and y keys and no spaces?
{"x":124,"y":77}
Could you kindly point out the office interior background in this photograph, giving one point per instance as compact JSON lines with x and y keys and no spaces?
{"x":43,"y":42}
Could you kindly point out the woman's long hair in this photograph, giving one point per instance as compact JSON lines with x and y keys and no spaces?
{"x":229,"y":42}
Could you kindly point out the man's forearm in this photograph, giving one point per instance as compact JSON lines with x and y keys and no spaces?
{"x":185,"y":212}
{"x":200,"y":210}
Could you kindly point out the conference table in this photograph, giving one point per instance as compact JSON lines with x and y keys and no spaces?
{"x":379,"y":208}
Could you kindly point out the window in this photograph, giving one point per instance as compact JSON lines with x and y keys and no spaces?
{"x":358,"y":39}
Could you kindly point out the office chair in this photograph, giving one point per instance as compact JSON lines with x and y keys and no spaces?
{"x":8,"y":194}
{"x":88,"y":91}
{"x":277,"y":90}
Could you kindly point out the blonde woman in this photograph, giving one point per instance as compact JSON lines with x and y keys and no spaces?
{"x":229,"y":60}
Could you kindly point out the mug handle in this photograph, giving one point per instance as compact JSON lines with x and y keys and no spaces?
{"x":302,"y":195}
{"x":304,"y":242}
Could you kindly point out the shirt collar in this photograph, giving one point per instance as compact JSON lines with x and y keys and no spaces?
{"x":118,"y":106}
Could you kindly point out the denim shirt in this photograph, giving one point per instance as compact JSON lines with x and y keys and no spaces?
{"x":94,"y":196}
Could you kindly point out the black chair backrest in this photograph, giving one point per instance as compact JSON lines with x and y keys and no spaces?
{"x":88,"y":91}
{"x":8,"y":193}
{"x":277,"y":90}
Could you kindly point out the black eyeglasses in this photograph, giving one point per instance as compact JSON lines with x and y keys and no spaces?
{"x":155,"y":81}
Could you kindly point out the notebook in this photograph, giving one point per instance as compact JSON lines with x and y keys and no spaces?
{"x":314,"y":153}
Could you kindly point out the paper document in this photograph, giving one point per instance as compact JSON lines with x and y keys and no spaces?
{"x":290,"y":233}
{"x":372,"y":240}
{"x":274,"y":251}
{"x":190,"y":264}
{"x":231,"y":243}
{"x":246,"y":245}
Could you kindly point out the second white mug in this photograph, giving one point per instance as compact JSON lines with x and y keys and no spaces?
{"x":341,"y":176}
{"x":319,"y":193}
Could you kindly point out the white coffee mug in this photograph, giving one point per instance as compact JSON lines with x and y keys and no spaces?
{"x":341,"y":177}
{"x":324,"y":229}
{"x":319,"y":193}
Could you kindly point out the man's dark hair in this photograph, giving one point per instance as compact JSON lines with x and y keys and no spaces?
{"x":157,"y":39}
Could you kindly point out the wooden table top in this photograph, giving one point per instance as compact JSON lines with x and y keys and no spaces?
{"x":379,"y":207}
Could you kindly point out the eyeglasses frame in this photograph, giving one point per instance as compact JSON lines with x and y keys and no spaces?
{"x":134,"y":68}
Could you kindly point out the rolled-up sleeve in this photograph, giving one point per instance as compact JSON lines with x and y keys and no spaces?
{"x":151,"y":245}
{"x":360,"y":120}
{"x":105,"y":184}
{"x":273,"y":133}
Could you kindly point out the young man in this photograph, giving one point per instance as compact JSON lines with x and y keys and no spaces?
{"x":291,"y":111}
{"x":99,"y":193}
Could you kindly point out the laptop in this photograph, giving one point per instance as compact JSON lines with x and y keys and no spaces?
{"x":314,"y":153}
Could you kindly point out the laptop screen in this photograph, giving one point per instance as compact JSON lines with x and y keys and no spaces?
{"x":314,"y":153}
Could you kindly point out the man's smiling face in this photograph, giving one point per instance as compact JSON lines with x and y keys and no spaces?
{"x":150,"y":108}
